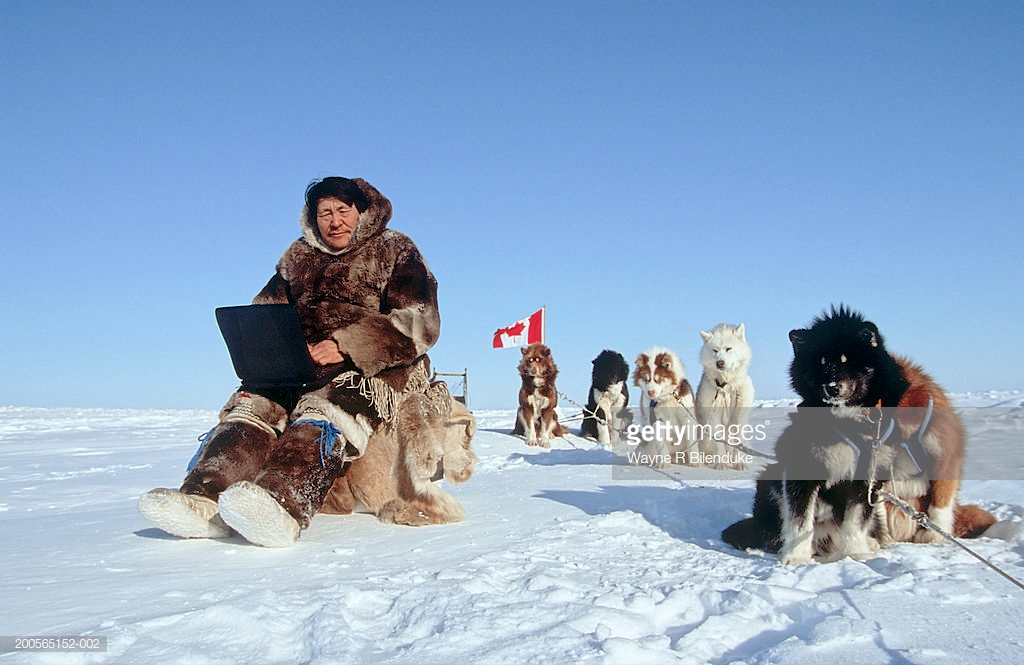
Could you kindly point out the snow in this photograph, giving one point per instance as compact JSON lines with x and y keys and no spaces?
{"x":563,"y":557}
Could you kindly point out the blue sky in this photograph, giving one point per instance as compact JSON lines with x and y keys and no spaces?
{"x":643,"y":170}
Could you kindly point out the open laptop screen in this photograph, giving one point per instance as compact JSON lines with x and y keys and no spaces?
{"x":267,"y":345}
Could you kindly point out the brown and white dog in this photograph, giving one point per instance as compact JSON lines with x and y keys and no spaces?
{"x":666,"y":406}
{"x":536,"y":418}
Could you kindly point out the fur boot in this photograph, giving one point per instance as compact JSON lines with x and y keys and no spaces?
{"x":182,"y":515}
{"x":257,"y":516}
{"x":234,"y":450}
{"x":303,"y":466}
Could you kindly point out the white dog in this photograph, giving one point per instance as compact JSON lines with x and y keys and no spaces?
{"x":666,"y":405}
{"x":725,"y":393}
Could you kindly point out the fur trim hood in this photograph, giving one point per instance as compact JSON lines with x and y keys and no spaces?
{"x":376,"y":298}
{"x":372,"y":221}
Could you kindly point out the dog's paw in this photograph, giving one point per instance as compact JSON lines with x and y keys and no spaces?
{"x":927,"y":536}
{"x":795,"y":560}
{"x":798,"y":553}
{"x":864,"y":556}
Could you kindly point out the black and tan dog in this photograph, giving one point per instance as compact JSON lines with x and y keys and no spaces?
{"x":869,"y":422}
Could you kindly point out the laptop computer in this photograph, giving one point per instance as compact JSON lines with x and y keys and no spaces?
{"x":268,"y":347}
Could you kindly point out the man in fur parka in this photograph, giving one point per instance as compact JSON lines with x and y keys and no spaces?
{"x":368,"y":306}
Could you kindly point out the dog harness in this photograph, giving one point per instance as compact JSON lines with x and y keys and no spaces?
{"x":913,"y":442}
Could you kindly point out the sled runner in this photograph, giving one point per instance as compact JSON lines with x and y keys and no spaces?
{"x":268,"y":347}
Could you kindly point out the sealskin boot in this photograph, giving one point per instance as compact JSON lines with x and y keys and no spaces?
{"x":182,"y":515}
{"x":257,"y":516}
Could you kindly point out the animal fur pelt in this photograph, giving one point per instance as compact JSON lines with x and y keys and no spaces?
{"x":393,"y":480}
{"x":536,"y":418}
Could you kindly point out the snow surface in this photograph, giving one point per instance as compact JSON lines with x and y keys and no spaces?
{"x":562,"y":558}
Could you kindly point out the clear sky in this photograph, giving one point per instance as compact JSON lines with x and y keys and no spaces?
{"x":645,"y":170}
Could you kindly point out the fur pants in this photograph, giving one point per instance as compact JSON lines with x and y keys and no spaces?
{"x":292,"y":445}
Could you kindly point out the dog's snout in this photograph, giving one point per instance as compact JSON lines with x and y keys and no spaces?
{"x":832,"y":389}
{"x":720,"y":364}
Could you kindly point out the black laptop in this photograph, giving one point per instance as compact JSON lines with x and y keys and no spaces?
{"x":268,"y":348}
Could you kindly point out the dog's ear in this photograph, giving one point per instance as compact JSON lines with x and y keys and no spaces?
{"x":546,"y":351}
{"x":741,"y":331}
{"x":798,"y":338}
{"x":522,"y":350}
{"x":869,"y":333}
{"x":705,"y":335}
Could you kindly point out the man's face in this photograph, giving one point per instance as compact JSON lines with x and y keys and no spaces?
{"x":336,"y":221}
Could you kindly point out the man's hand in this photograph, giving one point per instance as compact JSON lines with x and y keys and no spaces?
{"x":325,"y":352}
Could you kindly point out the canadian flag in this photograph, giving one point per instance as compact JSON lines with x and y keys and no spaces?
{"x":521,"y":333}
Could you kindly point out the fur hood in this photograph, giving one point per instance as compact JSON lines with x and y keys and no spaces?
{"x":376,"y":297}
{"x":372,"y":221}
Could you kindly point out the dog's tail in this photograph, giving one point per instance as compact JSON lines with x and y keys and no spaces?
{"x":749,"y":534}
{"x":971,"y":521}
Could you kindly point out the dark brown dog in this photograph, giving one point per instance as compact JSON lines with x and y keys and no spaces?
{"x":536,"y":418}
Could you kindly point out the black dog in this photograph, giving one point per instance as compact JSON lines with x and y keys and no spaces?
{"x":815,"y":498}
{"x":605,"y":416}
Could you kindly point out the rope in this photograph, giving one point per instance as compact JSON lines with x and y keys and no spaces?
{"x":587,"y":414}
{"x":926,"y":522}
{"x":920,"y":517}
{"x":203,"y":440}
{"x":328,"y":436}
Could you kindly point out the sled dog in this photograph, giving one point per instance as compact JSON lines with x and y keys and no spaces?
{"x":666,"y":406}
{"x":725,"y":393}
{"x":536,"y":418}
{"x":869,"y":422}
{"x":605,"y":415}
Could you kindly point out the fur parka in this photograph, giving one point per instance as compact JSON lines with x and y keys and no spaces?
{"x":376,"y":297}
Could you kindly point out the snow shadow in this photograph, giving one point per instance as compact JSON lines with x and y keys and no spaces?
{"x":566,"y":456}
{"x":691,"y":514}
